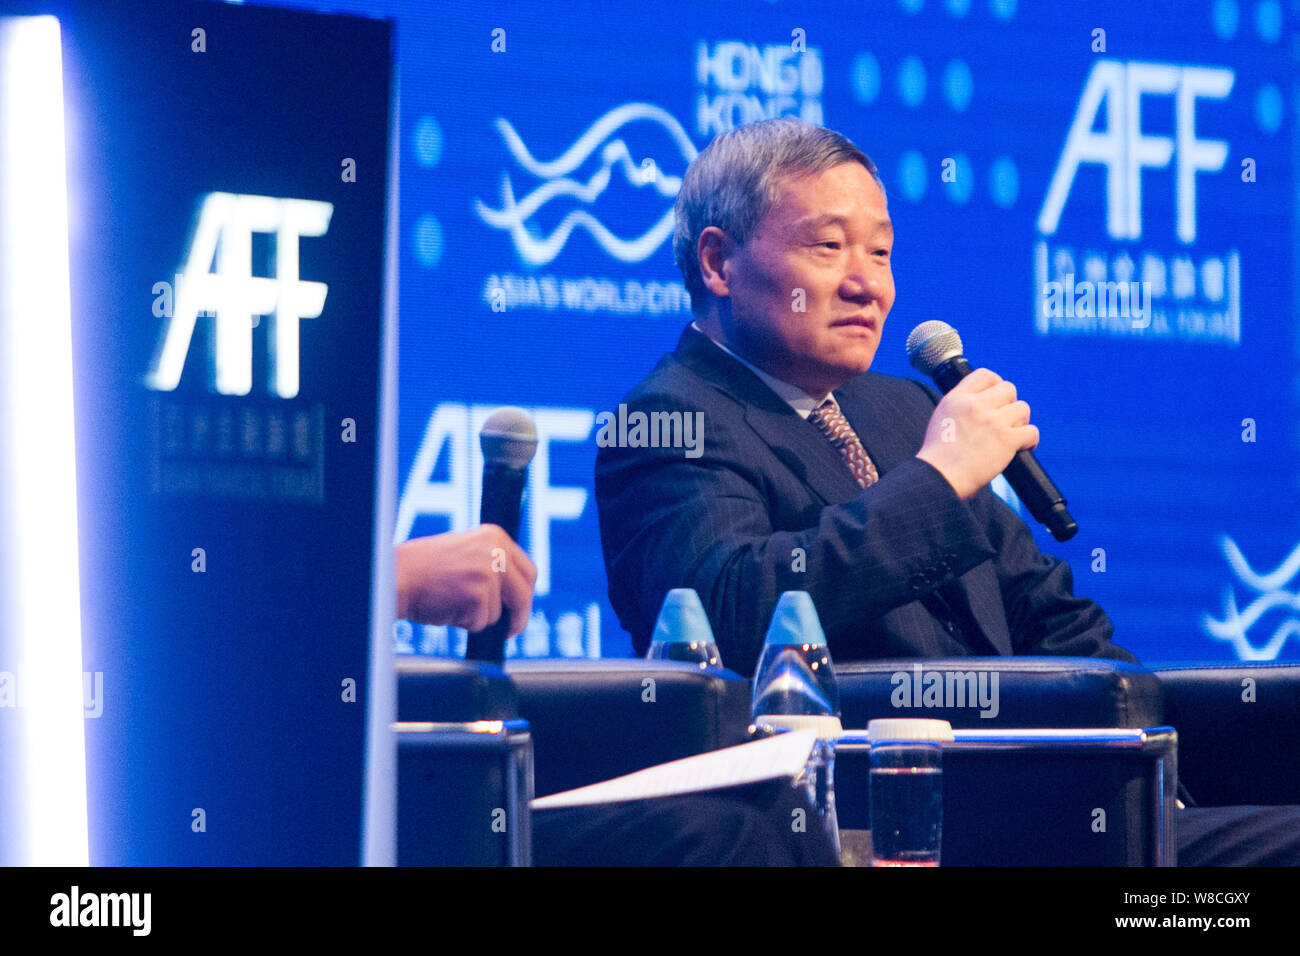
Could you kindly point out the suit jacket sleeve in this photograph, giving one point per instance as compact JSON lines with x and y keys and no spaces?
{"x":1043,"y":614}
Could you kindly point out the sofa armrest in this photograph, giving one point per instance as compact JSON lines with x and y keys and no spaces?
{"x":1238,"y":730}
{"x":1019,"y":692}
{"x":450,"y":690}
{"x":462,"y":758}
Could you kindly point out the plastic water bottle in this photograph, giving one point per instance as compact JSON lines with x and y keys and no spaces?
{"x":795,"y":689}
{"x":794,"y":684}
{"x":682,"y":631}
{"x":907,"y":790}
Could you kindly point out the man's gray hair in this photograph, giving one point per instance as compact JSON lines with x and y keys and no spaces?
{"x":733,"y":183}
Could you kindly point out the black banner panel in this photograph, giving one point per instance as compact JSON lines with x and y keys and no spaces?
{"x":227,"y":173}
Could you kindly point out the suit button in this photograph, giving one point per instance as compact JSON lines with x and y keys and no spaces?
{"x":916,"y":582}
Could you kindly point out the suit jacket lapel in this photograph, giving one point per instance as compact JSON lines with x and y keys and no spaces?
{"x":795,"y":441}
{"x":875,"y":421}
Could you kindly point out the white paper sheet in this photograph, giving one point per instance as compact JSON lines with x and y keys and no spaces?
{"x":783,"y":755}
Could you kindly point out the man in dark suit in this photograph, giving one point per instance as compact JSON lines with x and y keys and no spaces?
{"x":869,"y":492}
{"x":909,"y":555}
{"x":904,"y":568}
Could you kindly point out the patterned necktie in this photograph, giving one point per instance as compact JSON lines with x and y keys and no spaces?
{"x":831,"y":422}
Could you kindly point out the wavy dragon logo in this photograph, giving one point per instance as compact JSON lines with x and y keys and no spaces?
{"x":1272,"y":593}
{"x":514,"y":214}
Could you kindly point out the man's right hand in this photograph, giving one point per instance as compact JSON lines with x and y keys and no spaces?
{"x":976,"y":430}
{"x":465,"y":579}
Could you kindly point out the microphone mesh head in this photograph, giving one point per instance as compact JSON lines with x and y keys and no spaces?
{"x":508,"y":438}
{"x":931,"y":344}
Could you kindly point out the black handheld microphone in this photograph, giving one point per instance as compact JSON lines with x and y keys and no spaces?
{"x":934,"y":349}
{"x":509,"y":440}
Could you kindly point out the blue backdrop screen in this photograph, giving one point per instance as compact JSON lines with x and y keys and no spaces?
{"x":1104,"y":205}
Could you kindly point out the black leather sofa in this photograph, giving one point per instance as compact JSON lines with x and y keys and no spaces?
{"x":594,"y":720}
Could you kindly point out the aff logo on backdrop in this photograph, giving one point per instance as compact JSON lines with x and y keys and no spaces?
{"x":1125,"y":150}
{"x":451,"y":437}
{"x":229,"y":445}
{"x":445,"y":483}
{"x":1187,"y":292}
{"x":236,"y":297}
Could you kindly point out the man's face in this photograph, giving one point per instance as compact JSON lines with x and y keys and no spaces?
{"x":824,"y":247}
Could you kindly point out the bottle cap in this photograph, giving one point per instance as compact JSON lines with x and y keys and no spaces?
{"x":909,"y":728}
{"x":795,"y":621}
{"x":795,"y":674}
{"x":682,"y":619}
